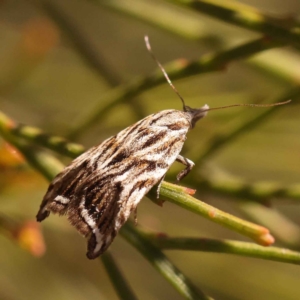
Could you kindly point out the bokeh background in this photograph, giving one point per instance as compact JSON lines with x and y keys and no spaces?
{"x":58,"y":62}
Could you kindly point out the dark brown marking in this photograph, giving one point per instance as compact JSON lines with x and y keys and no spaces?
{"x":175,"y":126}
{"x":153,"y":121}
{"x":139,"y":185}
{"x":118,"y":158}
{"x":132,"y":128}
{"x":169,"y":148}
{"x":162,"y":165}
{"x":76,"y":219}
{"x":154,"y":139}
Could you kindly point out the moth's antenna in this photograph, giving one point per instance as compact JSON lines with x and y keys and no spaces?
{"x":201,"y":110}
{"x":164,"y":72}
{"x":251,"y":105}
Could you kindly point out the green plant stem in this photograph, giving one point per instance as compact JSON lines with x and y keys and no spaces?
{"x":40,"y":160}
{"x":119,"y":282}
{"x":48,"y":166}
{"x":233,"y":187}
{"x":161,"y":263}
{"x":36,"y":135}
{"x":177,"y":69}
{"x":286,"y":231}
{"x":189,"y":28}
{"x":162,"y":15}
{"x":226,"y":246}
{"x":56,"y":143}
{"x":285,"y":30}
{"x":257,"y":233}
{"x":245,"y":191}
{"x":45,"y":163}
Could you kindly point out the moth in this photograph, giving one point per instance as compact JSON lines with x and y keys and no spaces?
{"x":99,"y":189}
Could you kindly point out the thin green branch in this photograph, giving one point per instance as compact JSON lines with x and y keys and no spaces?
{"x":162,"y":15}
{"x":177,"y":69}
{"x":286,"y":231}
{"x":37,"y":136}
{"x":226,"y":246}
{"x":191,"y":26}
{"x":161,"y":263}
{"x":56,"y":143}
{"x":45,"y":163}
{"x":211,"y":181}
{"x":40,"y":160}
{"x":49,"y":167}
{"x":174,"y":193}
{"x":119,"y":282}
{"x":260,"y":192}
{"x":257,"y":233}
{"x":282,"y":29}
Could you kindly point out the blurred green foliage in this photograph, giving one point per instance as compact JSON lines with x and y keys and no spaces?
{"x":61,"y":61}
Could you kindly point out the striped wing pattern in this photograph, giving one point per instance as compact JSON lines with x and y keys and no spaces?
{"x":100,"y":188}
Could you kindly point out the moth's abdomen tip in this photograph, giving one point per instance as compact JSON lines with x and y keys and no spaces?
{"x":42,"y":215}
{"x":92,"y":255}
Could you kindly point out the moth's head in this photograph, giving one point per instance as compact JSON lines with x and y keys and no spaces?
{"x":196,"y":113}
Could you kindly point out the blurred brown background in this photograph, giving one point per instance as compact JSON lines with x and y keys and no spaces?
{"x":58,"y":59}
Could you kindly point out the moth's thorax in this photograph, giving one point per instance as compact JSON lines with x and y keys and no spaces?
{"x":172,"y":119}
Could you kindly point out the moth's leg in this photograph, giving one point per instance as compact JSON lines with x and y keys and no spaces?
{"x":158,"y":187}
{"x":189,"y":166}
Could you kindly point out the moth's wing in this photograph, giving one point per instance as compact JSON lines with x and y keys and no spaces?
{"x":62,"y":190}
{"x":141,"y":162}
{"x":100,"y":189}
{"x":107,"y":203}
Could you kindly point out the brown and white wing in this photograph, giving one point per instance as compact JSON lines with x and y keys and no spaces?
{"x":100,"y":189}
